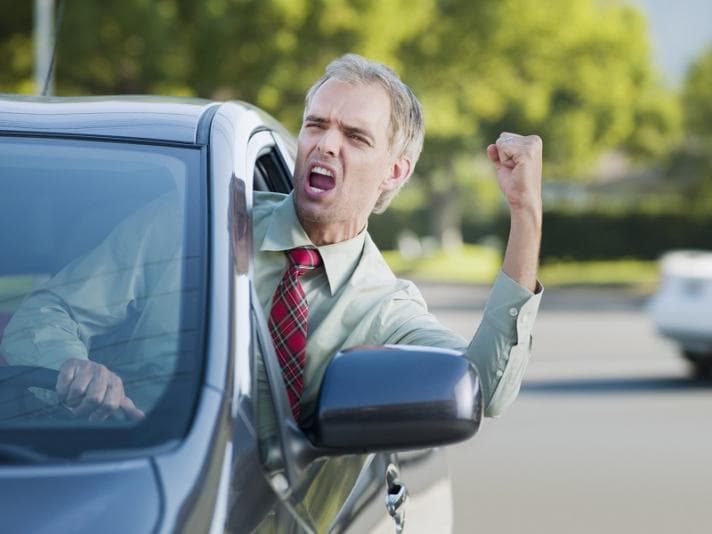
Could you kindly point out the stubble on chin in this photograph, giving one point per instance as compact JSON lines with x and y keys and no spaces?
{"x":309,"y":214}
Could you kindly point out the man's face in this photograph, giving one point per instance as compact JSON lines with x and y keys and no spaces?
{"x":344,"y":160}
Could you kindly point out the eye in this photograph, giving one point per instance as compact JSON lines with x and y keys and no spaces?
{"x":358,"y":138}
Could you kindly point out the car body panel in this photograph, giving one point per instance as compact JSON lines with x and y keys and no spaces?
{"x":154,"y":118}
{"x":80,"y":498}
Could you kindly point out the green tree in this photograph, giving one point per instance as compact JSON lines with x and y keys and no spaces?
{"x":577,"y":73}
{"x":269,"y":52}
{"x":697,"y":99}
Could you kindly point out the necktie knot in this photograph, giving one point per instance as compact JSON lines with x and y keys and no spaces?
{"x":304,"y":259}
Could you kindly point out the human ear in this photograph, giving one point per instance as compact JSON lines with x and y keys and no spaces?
{"x":399,"y":172}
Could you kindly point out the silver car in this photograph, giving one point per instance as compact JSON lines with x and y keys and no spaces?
{"x":126,"y":237}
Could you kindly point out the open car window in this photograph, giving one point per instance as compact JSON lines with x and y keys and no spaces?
{"x":105,"y":261}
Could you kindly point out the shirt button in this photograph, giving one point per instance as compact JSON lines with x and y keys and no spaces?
{"x":513,"y":312}
{"x":499,"y":373}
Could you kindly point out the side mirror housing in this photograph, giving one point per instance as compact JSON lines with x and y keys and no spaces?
{"x":396,"y":398}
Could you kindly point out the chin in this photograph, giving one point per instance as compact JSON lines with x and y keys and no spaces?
{"x":308,"y":210}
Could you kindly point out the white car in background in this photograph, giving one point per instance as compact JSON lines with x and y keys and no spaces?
{"x":682,"y":306}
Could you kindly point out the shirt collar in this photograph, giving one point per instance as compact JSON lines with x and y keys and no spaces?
{"x":285,"y":232}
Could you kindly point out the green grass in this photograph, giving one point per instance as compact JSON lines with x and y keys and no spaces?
{"x":475,"y":264}
{"x":639,"y":274}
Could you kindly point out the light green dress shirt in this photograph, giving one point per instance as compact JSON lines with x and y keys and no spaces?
{"x":355,"y":299}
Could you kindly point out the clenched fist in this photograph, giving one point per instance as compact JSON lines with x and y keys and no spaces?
{"x":518,"y":162}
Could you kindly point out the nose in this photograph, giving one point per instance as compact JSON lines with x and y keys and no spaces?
{"x":329,"y":142}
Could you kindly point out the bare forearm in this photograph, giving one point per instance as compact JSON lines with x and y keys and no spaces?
{"x":518,"y":163}
{"x":521,"y":257}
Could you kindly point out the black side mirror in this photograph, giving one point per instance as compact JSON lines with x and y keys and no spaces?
{"x":395,"y":398}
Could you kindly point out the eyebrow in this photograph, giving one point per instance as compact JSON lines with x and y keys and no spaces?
{"x":315,"y":118}
{"x":345,"y":127}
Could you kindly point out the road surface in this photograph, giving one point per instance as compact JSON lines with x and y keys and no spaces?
{"x":608,"y":435}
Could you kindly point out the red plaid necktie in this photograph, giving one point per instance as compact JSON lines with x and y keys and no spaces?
{"x":288,"y":322}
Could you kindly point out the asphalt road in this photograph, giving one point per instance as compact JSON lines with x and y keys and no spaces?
{"x":608,"y":435}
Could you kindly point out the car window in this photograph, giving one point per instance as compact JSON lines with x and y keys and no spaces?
{"x":102,"y":248}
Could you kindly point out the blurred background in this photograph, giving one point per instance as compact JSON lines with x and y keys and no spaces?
{"x":612,"y":430}
{"x":620,"y":91}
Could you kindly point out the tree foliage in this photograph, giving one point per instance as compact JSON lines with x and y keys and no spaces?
{"x":578,"y":73}
{"x":697,"y":98}
{"x":691,"y":165}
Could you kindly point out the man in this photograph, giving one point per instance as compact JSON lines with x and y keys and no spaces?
{"x":360,"y":139}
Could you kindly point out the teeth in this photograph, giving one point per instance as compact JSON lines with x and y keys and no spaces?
{"x":316,"y":189}
{"x":322,"y":170}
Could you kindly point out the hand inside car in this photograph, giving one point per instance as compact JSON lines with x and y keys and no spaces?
{"x":90,"y":389}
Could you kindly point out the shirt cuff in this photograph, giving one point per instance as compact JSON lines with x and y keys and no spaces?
{"x":512,"y":308}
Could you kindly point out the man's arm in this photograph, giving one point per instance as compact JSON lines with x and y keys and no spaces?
{"x":54,"y":326}
{"x":501,"y":347}
{"x":518,"y":163}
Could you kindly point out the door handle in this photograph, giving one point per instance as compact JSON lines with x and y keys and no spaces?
{"x":396,"y":496}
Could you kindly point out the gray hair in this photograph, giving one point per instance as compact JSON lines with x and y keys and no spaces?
{"x":406,"y":129}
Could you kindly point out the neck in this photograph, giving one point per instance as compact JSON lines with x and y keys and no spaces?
{"x":327,"y":234}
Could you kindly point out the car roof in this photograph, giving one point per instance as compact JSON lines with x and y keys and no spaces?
{"x":171,"y":119}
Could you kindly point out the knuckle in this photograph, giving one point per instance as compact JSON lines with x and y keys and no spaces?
{"x":93,"y":399}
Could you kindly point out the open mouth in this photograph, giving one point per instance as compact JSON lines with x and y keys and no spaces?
{"x":320,"y":180}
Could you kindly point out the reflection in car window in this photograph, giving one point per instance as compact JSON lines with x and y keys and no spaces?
{"x":104,"y":262}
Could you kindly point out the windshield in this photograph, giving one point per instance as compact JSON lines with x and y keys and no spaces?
{"x":102,"y":261}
